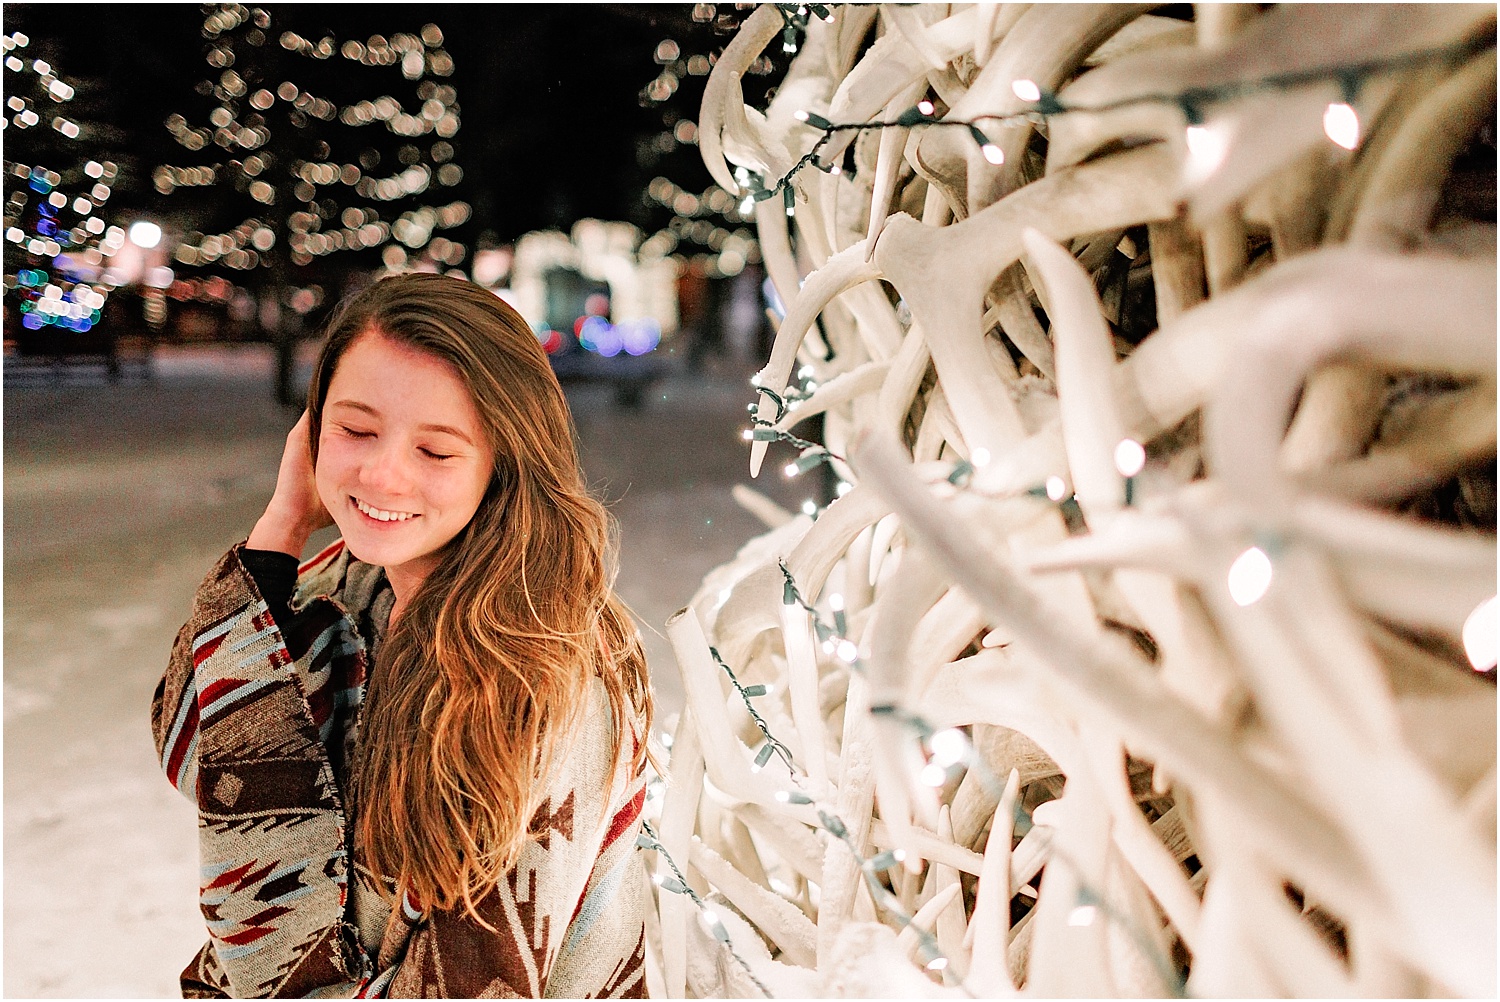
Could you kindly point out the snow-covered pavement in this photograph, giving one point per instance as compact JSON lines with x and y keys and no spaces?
{"x":117,"y":499}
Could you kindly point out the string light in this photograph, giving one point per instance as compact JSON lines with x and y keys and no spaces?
{"x":1057,"y":488}
{"x":765,"y":431}
{"x":241,"y":121}
{"x":1482,"y":635}
{"x":678,"y":884}
{"x":948,"y":743}
{"x":1083,"y":915}
{"x":1207,"y":145}
{"x":950,"y":746}
{"x":61,"y":282}
{"x":1130,"y":457}
{"x":1341,"y":124}
{"x":1250,"y":576}
{"x":771,"y":746}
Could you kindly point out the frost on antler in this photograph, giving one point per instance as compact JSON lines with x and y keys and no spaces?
{"x":1147,"y":646}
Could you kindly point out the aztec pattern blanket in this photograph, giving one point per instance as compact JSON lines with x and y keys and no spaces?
{"x":251,"y":721}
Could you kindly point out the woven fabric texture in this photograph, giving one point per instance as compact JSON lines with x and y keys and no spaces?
{"x":254,"y":724}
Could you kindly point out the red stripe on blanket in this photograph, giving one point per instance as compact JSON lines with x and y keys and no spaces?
{"x":628,"y":816}
{"x":219,"y":688}
{"x":205,"y":651}
{"x":330,"y":551}
{"x":248,"y":936}
{"x":184,"y":742}
{"x":241,"y":876}
{"x":230,"y":876}
{"x":265,"y":915}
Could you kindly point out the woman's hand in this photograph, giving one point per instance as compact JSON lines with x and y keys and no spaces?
{"x":295,"y":511}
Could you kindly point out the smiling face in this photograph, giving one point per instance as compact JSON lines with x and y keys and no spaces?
{"x":402,"y":458}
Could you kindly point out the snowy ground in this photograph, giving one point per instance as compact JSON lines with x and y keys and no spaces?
{"x":116,"y":500}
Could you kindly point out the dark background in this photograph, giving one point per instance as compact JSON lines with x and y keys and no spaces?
{"x":554,"y":125}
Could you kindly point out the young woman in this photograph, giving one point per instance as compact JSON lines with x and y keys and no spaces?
{"x":417,"y":758}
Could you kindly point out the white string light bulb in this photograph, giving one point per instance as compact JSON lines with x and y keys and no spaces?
{"x":981,"y":457}
{"x":1083,"y":915}
{"x":1026,"y":90}
{"x":1341,"y":125}
{"x":1482,"y":635}
{"x":948,"y":746}
{"x":993,"y":154}
{"x":1057,"y":488}
{"x":926,"y":107}
{"x":933,"y":775}
{"x":1250,"y":576}
{"x":1130,"y":457}
{"x":1207,"y":147}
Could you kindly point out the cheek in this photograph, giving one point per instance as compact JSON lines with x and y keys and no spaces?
{"x":467,"y":492}
{"x":329,"y":473}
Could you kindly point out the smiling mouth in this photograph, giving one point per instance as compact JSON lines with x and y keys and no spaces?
{"x":379,"y":514}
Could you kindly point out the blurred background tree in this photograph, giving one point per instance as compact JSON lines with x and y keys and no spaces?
{"x":58,"y":180}
{"x":334,"y":148}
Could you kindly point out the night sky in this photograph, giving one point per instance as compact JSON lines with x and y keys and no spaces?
{"x":553,"y":126}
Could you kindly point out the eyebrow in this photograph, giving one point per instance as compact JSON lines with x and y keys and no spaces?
{"x":442,"y":429}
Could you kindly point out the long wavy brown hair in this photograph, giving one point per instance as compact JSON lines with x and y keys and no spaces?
{"x":483,"y":673}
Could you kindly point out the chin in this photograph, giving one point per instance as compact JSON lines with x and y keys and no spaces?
{"x":358,"y":541}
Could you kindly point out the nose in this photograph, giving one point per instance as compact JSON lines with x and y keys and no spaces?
{"x":386,"y":471}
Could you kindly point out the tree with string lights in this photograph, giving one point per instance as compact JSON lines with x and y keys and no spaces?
{"x":706,"y":229}
{"x":56,"y":237}
{"x":684,"y":212}
{"x":342,"y":176}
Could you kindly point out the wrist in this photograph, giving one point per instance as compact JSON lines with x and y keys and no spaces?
{"x":278,"y":534}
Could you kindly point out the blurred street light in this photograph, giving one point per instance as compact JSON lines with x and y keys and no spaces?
{"x":145,"y":234}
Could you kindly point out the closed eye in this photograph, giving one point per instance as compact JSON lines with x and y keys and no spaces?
{"x":435,"y":455}
{"x":355,"y":433}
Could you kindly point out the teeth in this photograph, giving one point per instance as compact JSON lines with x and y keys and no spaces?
{"x":383,"y":516}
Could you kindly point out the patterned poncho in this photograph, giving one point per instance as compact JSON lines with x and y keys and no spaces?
{"x":255,"y":724}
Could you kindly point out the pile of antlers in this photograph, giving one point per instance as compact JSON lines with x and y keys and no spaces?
{"x":1148,"y":646}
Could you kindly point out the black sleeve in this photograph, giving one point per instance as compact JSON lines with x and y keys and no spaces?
{"x":275,"y":574}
